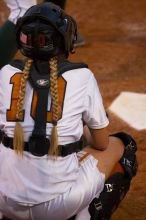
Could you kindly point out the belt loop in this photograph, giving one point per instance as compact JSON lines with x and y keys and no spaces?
{"x":82,"y":155}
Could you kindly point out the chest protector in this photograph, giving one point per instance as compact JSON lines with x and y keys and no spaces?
{"x":40,"y":81}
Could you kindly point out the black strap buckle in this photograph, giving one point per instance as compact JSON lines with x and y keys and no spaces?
{"x":38,"y":145}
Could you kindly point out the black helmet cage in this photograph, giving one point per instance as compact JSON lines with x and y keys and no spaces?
{"x":58,"y":28}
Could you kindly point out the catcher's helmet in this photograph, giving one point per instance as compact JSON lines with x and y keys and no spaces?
{"x":45,"y":31}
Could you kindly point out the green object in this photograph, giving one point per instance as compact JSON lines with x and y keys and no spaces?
{"x":61,"y":3}
{"x":8,"y":46}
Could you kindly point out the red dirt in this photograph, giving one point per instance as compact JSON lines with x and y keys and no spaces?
{"x":115,"y":32}
{"x":115,"y":50}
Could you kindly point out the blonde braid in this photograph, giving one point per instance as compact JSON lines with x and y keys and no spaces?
{"x":18,"y":141}
{"x":55,"y":105}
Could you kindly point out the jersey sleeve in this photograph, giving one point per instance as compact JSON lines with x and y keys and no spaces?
{"x":94,"y":115}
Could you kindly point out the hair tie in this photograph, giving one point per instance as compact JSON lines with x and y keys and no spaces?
{"x":54,"y":122}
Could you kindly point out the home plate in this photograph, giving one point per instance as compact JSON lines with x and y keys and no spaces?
{"x":131,"y":107}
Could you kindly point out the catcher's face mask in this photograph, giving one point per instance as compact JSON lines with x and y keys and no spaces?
{"x":40,"y":41}
{"x":44,"y":31}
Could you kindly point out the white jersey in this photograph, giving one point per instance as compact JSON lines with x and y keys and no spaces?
{"x":33,"y":179}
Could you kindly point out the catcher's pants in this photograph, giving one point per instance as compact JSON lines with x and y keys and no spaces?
{"x":89,"y":184}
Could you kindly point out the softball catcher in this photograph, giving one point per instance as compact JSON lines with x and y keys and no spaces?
{"x":46,"y":169}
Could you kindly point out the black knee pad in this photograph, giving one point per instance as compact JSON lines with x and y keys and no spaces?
{"x":128,"y":160}
{"x":118,"y":184}
{"x":114,"y":191}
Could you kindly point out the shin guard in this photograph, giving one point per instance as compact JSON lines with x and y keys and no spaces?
{"x":128,"y":160}
{"x":118,"y":184}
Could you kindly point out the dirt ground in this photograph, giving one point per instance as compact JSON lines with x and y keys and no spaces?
{"x":115,"y":50}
